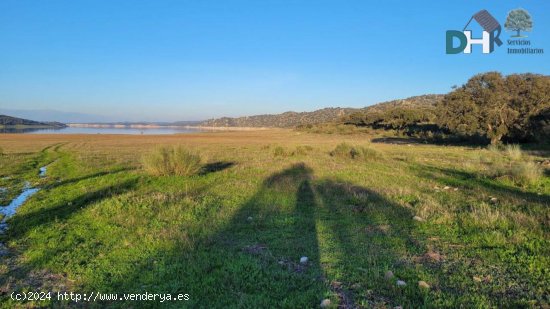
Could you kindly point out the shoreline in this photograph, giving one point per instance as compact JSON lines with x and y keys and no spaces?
{"x":137,"y":126}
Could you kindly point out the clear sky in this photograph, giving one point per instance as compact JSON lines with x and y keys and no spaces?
{"x":190,"y":60}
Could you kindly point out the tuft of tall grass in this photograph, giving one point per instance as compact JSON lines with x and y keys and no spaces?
{"x":510,"y":162}
{"x":344,"y":150}
{"x":513,"y":152}
{"x":279,"y":151}
{"x":526,"y":172}
{"x":177,"y":161}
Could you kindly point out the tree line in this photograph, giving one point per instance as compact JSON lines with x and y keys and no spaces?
{"x":489,"y":107}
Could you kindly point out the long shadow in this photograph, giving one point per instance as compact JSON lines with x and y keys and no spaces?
{"x":216,"y":167}
{"x":454,"y":141}
{"x":254,"y":259}
{"x":370,"y":234}
{"x":20,"y":224}
{"x":86,"y":177}
{"x":469,"y":180}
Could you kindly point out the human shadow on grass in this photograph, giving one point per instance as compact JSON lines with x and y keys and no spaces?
{"x":254,"y":259}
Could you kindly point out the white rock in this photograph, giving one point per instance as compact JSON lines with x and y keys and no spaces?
{"x":325,"y":303}
{"x":303,"y":260}
{"x":401,"y":283}
{"x":417,"y":218}
{"x":249,"y":218}
{"x":446,"y":188}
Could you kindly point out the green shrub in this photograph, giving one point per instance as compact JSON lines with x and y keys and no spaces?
{"x":344,"y":150}
{"x":279,"y":151}
{"x":178,"y":161}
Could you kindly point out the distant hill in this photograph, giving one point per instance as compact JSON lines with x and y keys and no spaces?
{"x":293,"y":119}
{"x":421,"y":101}
{"x":8,"y":121}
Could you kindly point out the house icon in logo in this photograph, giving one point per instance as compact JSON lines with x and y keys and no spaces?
{"x":490,"y":35}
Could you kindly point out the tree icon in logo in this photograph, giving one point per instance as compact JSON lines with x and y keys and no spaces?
{"x":518,"y":20}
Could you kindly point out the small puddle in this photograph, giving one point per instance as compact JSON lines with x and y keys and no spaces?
{"x":10,"y":210}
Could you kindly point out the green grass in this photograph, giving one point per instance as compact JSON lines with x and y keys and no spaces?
{"x":232,"y":234}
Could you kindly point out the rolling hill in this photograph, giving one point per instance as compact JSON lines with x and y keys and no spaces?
{"x":293,"y":119}
{"x":8,"y":121}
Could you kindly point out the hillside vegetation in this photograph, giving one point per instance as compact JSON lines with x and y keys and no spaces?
{"x":284,"y":120}
{"x":294,"y":119}
{"x":8,"y":121}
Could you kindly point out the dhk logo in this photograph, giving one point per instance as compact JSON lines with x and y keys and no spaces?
{"x":490,"y":35}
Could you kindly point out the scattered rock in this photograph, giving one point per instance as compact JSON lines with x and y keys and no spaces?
{"x":303,"y":260}
{"x":493,"y":200}
{"x":423,"y":285}
{"x":325,"y":303}
{"x":417,"y":218}
{"x":249,"y":219}
{"x":455,"y":189}
{"x":388,"y":275}
{"x":356,"y":286}
{"x":401,"y":283}
{"x":436,"y":187}
{"x":446,"y":188}
{"x":477,"y":279}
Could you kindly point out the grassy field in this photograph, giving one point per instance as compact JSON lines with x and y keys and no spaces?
{"x":473,"y":224}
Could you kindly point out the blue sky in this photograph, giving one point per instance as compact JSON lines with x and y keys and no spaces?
{"x":189,"y":60}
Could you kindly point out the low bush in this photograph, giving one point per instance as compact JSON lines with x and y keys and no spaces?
{"x":344,"y":150}
{"x":509,"y":162}
{"x":177,"y":161}
{"x":279,"y":151}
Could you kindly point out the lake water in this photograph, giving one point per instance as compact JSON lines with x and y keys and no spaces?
{"x":73,"y":130}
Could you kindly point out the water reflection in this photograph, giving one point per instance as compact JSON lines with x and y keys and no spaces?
{"x":74,"y":130}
